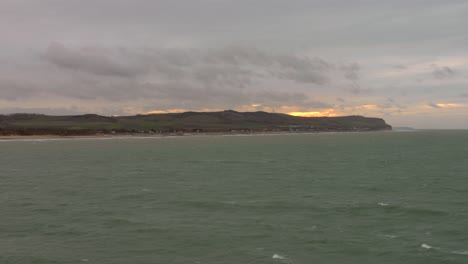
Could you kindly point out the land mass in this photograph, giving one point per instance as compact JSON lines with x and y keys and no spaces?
{"x":227,"y":121}
{"x":403,"y":129}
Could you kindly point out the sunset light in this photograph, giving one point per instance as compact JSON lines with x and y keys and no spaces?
{"x":314,"y":114}
{"x":450,"y":105}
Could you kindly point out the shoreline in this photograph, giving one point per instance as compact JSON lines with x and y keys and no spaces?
{"x":166,"y":135}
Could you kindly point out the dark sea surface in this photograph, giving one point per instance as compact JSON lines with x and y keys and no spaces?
{"x":384,"y":197}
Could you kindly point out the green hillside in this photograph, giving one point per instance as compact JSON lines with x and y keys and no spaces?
{"x":224,"y":121}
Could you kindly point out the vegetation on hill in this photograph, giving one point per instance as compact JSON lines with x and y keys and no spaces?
{"x":224,"y":121}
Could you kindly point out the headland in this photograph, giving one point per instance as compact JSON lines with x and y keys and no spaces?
{"x":187,"y":123}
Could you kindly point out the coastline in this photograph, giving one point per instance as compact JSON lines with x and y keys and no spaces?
{"x":228,"y":122}
{"x":166,"y":135}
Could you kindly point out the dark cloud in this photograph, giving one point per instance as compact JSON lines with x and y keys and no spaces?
{"x":442,"y":72}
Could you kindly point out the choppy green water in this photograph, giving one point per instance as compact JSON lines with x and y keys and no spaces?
{"x":319,"y":198}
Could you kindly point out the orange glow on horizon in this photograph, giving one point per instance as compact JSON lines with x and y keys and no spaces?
{"x":172,"y":111}
{"x":164,"y":111}
{"x":325,"y":113}
{"x":313,"y":114}
{"x":369,"y":107}
{"x":449,"y":105}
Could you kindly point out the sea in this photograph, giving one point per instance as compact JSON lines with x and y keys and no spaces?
{"x":325,"y":198}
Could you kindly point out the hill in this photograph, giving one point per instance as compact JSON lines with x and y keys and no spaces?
{"x":223,"y":121}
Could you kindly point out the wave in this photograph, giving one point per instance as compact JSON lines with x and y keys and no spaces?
{"x":457,"y":252}
{"x":276,"y":256}
{"x":460,"y":252}
{"x":426,"y":246}
{"x":391,"y":209}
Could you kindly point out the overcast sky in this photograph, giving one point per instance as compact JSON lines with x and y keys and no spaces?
{"x":403,"y":60}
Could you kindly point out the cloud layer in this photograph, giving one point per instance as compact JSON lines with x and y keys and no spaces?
{"x":185,"y":78}
{"x":405,"y":60}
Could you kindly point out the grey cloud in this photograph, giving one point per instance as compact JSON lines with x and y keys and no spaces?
{"x":189,"y":95}
{"x":303,"y":77}
{"x":16,"y":89}
{"x":279,"y":98}
{"x":213,"y":76}
{"x":351,"y":71}
{"x":173,"y":51}
{"x":356,"y":89}
{"x":433,"y":105}
{"x":464,"y":95}
{"x":442,"y":72}
{"x":108,"y":89}
{"x":232,"y":64}
{"x":38,"y":110}
{"x":391,"y":103}
{"x":316,"y":104}
{"x":90,"y":60}
{"x":231,"y":75}
{"x":301,"y":63}
{"x":299,"y":69}
{"x":271,"y":22}
{"x":239,"y":55}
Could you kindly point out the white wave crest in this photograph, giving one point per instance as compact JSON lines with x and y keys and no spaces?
{"x":460,"y":252}
{"x":426,"y":246}
{"x":276,"y":256}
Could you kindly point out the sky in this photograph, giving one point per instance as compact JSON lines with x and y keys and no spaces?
{"x":402,"y":60}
